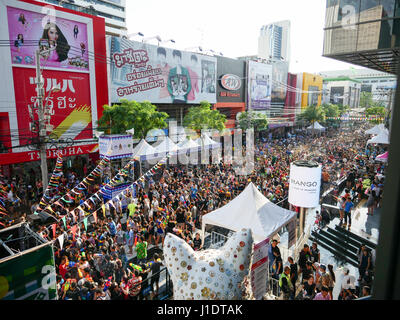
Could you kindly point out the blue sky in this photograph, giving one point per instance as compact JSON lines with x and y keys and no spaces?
{"x":232,"y":27}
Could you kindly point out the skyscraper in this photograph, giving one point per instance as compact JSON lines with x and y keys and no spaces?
{"x":274,"y":41}
{"x":113,"y":11}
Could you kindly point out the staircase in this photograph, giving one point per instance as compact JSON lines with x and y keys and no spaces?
{"x":341,"y":243}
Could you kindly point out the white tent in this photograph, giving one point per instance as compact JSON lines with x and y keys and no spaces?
{"x":143,"y":150}
{"x":250,"y":209}
{"x":188,"y":144}
{"x":161,"y":148}
{"x":377,"y":129}
{"x":316,"y":126}
{"x":381,"y":138}
{"x":207,"y":142}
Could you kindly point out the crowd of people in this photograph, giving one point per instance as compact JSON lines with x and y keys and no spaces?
{"x":93,"y":263}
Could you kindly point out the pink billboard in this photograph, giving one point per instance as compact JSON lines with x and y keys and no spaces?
{"x":66,"y":40}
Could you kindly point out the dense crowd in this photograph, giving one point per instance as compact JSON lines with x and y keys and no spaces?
{"x":93,"y":263}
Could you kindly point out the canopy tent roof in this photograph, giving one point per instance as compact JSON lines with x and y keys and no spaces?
{"x":381,"y":138}
{"x":164,"y":146}
{"x":377,"y":129}
{"x":188,"y":144}
{"x":143,"y":150}
{"x":316,"y":126}
{"x":250,"y":209}
{"x":208,"y":142}
{"x":383,"y":157}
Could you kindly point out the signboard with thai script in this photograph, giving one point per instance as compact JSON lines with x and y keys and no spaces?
{"x":141,"y":71}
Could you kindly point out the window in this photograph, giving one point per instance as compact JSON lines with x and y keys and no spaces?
{"x":349,"y":7}
{"x":388,"y":8}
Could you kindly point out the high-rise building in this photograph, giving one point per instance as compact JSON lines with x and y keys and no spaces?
{"x":113,"y":11}
{"x":274,"y":41}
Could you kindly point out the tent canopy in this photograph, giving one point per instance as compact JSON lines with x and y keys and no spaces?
{"x":383,"y":157}
{"x":381,"y":138}
{"x":377,"y":129}
{"x":143,"y":150}
{"x":164,"y":146}
{"x":316,"y":126}
{"x":208,"y":142}
{"x":250,"y":209}
{"x":188,"y":144}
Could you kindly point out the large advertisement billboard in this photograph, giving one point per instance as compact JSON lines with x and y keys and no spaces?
{"x":67,"y":39}
{"x":74,"y":64}
{"x":70,"y":109}
{"x":259,"y":86}
{"x":280,"y":71}
{"x":141,"y":71}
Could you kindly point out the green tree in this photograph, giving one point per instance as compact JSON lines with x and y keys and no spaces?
{"x":203,"y":117}
{"x":376,"y":111}
{"x":251,"y":119}
{"x":142,"y":116}
{"x":343,"y":109}
{"x":331,"y":111}
{"x":312,"y":114}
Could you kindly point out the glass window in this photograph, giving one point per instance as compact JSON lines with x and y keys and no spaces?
{"x":388,"y":8}
{"x":397,"y":9}
{"x":347,"y":8}
{"x":396,"y":33}
{"x":368,"y":4}
{"x":385,"y":40}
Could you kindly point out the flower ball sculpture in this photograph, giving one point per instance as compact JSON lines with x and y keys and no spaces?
{"x":213,"y":274}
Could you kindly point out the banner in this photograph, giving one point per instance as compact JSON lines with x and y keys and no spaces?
{"x":119,"y":146}
{"x":259,"y":85}
{"x":304,"y":186}
{"x":70,"y":110}
{"x":29,"y":30}
{"x":141,"y":71}
{"x":30,"y":276}
{"x":259,"y":269}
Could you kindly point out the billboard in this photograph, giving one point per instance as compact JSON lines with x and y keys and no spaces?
{"x":231,"y":75}
{"x":259,"y":85}
{"x":337,"y":94}
{"x":69,"y":108}
{"x":141,"y":71}
{"x":280,"y":71}
{"x":76,"y":41}
{"x":30,"y":276}
{"x":67,"y":39}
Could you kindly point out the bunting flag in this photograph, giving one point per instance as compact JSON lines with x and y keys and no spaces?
{"x":136,"y":238}
{"x":65,"y":223}
{"x":61,"y":241}
{"x":103,"y":207}
{"x":85,"y":223}
{"x":95,"y":216}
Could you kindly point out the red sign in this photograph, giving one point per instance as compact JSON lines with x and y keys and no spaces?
{"x":69,"y":108}
{"x":18,"y":157}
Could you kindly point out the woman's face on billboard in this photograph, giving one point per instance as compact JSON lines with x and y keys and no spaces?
{"x":53,"y":34}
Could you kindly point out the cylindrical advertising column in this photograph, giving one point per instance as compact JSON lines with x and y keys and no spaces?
{"x":304,"y":186}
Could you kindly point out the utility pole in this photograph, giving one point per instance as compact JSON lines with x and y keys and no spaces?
{"x":42,"y":128}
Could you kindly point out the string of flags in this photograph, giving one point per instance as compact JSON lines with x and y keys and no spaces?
{"x":53,"y":184}
{"x":79,"y":189}
{"x":360,"y":118}
{"x":74,"y":229}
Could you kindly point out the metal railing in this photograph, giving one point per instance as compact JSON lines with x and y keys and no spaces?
{"x":217,"y":240}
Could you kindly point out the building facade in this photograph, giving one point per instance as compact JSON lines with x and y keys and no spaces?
{"x":113,"y":11}
{"x":73,"y":109}
{"x":382,"y":85}
{"x":274,"y":41}
{"x":311,"y":86}
{"x":363,"y":32}
{"x":343,"y":91}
